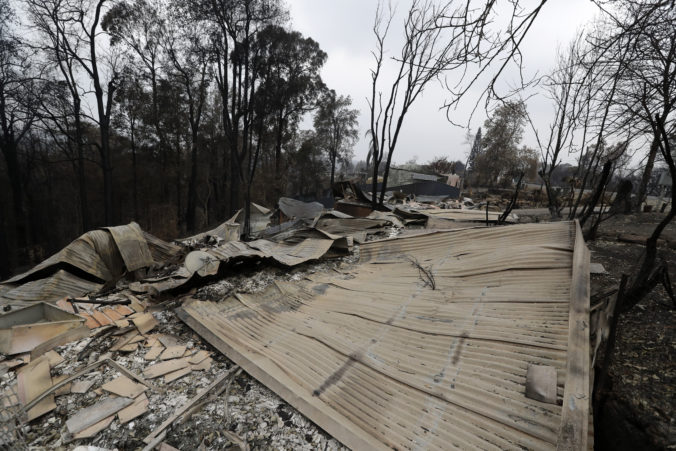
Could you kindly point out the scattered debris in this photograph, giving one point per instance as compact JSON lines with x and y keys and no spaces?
{"x":91,"y":415}
{"x":83,"y":385}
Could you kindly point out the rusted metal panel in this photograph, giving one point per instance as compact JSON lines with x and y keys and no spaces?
{"x":25,"y":329}
{"x":379,"y":359}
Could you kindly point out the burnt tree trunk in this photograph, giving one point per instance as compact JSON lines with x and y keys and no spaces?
{"x":647,"y":172}
{"x":192,"y":188}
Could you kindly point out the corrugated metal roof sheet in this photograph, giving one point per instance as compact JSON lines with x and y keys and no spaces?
{"x":379,"y":359}
{"x":50,"y":289}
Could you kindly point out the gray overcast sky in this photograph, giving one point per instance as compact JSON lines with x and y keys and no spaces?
{"x":343,"y":29}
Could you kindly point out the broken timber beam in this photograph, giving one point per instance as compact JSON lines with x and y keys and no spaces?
{"x":573,"y":433}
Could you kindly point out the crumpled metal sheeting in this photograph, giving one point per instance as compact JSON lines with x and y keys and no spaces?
{"x":259,"y":219}
{"x":94,"y":252}
{"x":293,"y":208}
{"x":508,"y":288}
{"x":347,"y":226}
{"x":162,"y":251}
{"x":470,"y":240}
{"x":83,"y":266}
{"x":227,"y":231}
{"x":235,"y":249}
{"x":293,"y":254}
{"x":132,"y":246}
{"x":50,"y":289}
{"x":286,"y":254}
{"x":383,"y":361}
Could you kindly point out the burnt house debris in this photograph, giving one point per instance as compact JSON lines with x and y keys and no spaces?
{"x":475,"y":348}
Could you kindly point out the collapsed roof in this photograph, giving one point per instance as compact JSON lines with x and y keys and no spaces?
{"x":427,"y":342}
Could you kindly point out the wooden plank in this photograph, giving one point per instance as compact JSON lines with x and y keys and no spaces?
{"x":173,"y":352}
{"x":160,"y":369}
{"x":124,"y":340}
{"x":203,"y":365}
{"x":64,"y":389}
{"x":101,"y":318}
{"x":131,"y":347}
{"x":81,"y":386}
{"x":123,"y":386}
{"x":123,"y":310}
{"x":138,"y":408}
{"x":94,"y":429}
{"x":576,"y":396}
{"x":112,"y":314}
{"x":135,"y":304}
{"x":91,"y":415}
{"x":177,"y":374}
{"x":32,"y":380}
{"x":167,"y":340}
{"x":137,"y":339}
{"x":154,"y":353}
{"x":87,"y":370}
{"x":198,"y":357}
{"x":54,"y":358}
{"x":122,"y":323}
{"x":145,"y":322}
{"x":63,"y":304}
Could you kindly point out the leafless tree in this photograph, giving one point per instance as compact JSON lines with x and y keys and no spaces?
{"x":17,"y":115}
{"x":188,"y":53}
{"x":139,"y":28}
{"x":650,"y":94}
{"x":236,"y":23}
{"x":440,"y":40}
{"x":566,"y":86}
{"x":72,"y":30}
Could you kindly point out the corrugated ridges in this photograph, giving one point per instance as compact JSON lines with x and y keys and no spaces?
{"x":411,"y":366}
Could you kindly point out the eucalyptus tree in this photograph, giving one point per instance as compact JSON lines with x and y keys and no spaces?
{"x":71,"y":35}
{"x":336,"y":127}
{"x":17,"y":116}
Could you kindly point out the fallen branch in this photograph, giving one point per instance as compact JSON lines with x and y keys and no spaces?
{"x":503,"y":217}
{"x":152,"y":437}
{"x":425,"y":274}
{"x":99,"y":335}
{"x":156,"y":441}
{"x":600,"y":188}
{"x":99,"y":301}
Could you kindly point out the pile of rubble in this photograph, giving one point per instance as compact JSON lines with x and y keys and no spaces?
{"x":93,"y":353}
